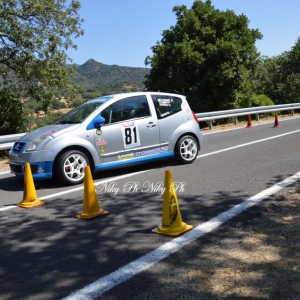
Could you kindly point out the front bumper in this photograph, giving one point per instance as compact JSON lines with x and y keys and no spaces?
{"x":39,"y":170}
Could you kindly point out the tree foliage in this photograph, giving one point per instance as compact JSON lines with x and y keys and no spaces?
{"x":279,"y":77}
{"x":11,"y":113}
{"x":209,"y":55}
{"x":34,"y":35}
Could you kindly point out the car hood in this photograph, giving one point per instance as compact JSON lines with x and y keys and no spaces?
{"x":53,"y":130}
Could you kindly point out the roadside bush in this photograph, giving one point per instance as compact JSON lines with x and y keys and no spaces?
{"x":56,"y":104}
{"x":262,"y":100}
{"x":4,"y":154}
{"x":49,"y":119}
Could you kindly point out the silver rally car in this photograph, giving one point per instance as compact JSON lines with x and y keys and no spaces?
{"x":110,"y":132}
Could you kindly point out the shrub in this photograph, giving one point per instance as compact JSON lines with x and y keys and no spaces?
{"x":262,"y":100}
{"x":49,"y":119}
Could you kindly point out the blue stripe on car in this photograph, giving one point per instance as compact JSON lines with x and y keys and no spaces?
{"x":136,"y":160}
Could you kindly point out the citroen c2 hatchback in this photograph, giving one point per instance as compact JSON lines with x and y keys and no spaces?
{"x":110,"y":132}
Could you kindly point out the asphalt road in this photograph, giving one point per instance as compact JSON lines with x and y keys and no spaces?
{"x":47,"y":253}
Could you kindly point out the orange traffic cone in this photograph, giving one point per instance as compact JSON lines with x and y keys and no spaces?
{"x":171,"y":218}
{"x":30,"y":198}
{"x":276,"y":123}
{"x":249,"y":124}
{"x":91,"y":207}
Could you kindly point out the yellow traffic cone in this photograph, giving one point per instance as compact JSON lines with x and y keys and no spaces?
{"x":30,"y":198}
{"x":171,"y":218}
{"x":91,"y":208}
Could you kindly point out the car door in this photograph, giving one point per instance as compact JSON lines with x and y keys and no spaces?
{"x":129,"y":130}
{"x":168,"y":109}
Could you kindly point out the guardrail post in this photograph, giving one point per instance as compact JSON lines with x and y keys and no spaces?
{"x":235,"y":120}
{"x":292,"y":112}
{"x":210,"y":124}
{"x":257,"y":117}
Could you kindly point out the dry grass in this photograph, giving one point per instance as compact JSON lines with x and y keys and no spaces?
{"x":4,"y":165}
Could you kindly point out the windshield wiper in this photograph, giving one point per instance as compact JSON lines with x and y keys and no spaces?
{"x":66,"y":122}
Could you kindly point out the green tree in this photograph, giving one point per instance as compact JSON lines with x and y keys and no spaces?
{"x":11,"y":113}
{"x":266,"y":77}
{"x":209,"y":56}
{"x":288,"y":87}
{"x":34,"y":36}
{"x":279,"y":77}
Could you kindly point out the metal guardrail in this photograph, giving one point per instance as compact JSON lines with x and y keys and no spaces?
{"x":234,"y":113}
{"x":6,"y":141}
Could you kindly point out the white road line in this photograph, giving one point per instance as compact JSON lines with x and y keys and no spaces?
{"x":108,"y":282}
{"x":79,"y":188}
{"x":95,"y":184}
{"x":2,"y":173}
{"x":247,"y":144}
{"x":8,"y":207}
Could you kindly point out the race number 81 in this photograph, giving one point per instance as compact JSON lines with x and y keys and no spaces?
{"x":130,"y":135}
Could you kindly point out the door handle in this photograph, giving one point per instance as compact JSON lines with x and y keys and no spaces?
{"x":151,"y":124}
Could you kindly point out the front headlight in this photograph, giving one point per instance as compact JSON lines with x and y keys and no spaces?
{"x":38,"y":142}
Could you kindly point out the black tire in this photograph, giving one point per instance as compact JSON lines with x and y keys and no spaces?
{"x":69,"y":167}
{"x":186,"y":149}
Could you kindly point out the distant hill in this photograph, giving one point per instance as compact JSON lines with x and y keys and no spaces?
{"x":99,"y":79}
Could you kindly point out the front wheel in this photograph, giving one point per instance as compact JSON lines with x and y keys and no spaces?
{"x":186,"y":149}
{"x":70,"y":166}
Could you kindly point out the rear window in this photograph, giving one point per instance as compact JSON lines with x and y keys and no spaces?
{"x":166,"y":106}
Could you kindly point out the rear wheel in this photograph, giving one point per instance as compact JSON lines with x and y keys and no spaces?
{"x":186,"y":149}
{"x":70,"y":166}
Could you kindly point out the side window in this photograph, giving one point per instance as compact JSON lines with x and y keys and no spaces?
{"x":166,"y":106}
{"x":126,"y":109}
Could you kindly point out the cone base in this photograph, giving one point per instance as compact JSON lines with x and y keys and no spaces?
{"x":276,"y":126}
{"x":99,"y":213}
{"x":30,"y":203}
{"x":173,"y":231}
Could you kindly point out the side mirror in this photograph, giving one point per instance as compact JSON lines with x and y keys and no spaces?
{"x":98,"y":121}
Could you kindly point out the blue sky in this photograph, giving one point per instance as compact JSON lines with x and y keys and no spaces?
{"x":122,"y":32}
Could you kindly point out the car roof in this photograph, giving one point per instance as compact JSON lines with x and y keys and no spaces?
{"x":113,"y":97}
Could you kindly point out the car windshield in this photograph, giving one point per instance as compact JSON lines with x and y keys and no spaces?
{"x":80,"y":113}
